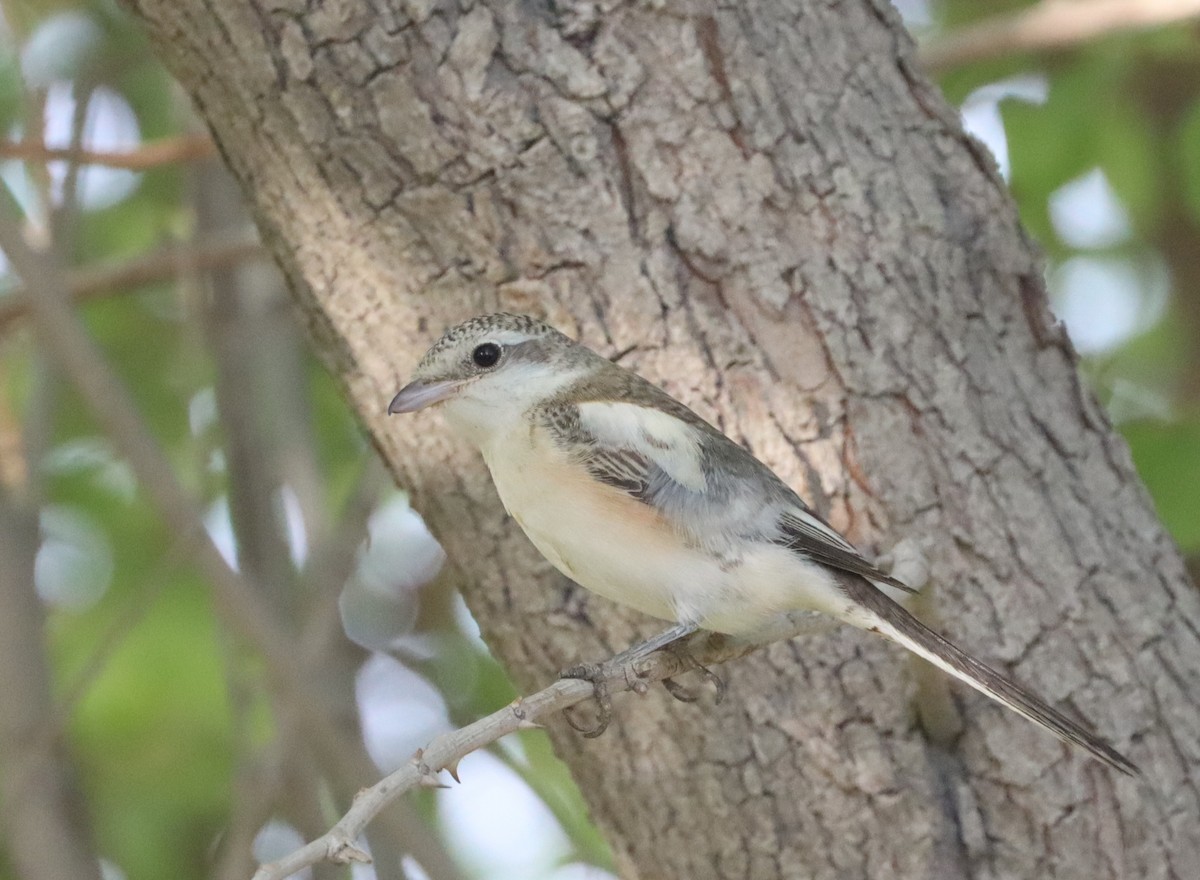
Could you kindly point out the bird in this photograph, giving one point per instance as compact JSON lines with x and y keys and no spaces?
{"x":635,"y":497}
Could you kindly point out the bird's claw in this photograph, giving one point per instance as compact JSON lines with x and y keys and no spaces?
{"x":717,"y":681}
{"x":691,"y":663}
{"x":594,"y":673}
{"x":678,"y":691}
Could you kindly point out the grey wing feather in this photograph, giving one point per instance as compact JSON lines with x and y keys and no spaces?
{"x":623,"y":469}
{"x":802,"y":535}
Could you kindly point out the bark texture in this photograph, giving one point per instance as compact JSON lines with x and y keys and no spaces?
{"x":765,"y":208}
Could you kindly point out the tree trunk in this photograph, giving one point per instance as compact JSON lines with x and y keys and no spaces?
{"x":767,"y":210}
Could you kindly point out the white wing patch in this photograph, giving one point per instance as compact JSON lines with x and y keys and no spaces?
{"x":671,"y":444}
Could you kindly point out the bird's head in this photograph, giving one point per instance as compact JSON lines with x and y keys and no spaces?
{"x":490,"y":370}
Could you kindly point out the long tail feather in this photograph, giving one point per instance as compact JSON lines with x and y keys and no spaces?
{"x":892,"y":621}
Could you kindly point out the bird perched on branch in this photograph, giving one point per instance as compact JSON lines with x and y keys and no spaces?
{"x":635,"y":497}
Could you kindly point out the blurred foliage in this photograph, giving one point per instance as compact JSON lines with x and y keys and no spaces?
{"x":147,"y":678}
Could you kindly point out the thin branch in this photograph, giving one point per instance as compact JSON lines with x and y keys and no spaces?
{"x":255,"y":793}
{"x":168,"y":151}
{"x":46,"y":831}
{"x":89,"y":284}
{"x":1051,"y":24}
{"x":331,"y":563}
{"x":64,"y":215}
{"x":445,"y":751}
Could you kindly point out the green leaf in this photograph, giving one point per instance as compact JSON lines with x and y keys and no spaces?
{"x":1187,"y":147}
{"x":1167,"y":455}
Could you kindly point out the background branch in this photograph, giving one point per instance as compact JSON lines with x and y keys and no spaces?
{"x":1051,"y":24}
{"x":43,"y":815}
{"x":168,"y":151}
{"x":86,"y":285}
{"x":109,"y":401}
{"x":305,"y":688}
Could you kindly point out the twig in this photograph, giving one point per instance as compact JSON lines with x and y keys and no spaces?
{"x":1051,"y":24}
{"x":169,"y":262}
{"x":168,"y":151}
{"x":445,"y":751}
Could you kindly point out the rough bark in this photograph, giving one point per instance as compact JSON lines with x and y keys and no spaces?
{"x":765,"y":208}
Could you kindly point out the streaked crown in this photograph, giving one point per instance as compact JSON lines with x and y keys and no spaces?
{"x":490,"y":342}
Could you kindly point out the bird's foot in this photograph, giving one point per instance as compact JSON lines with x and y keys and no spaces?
{"x":690,"y":663}
{"x":673,"y":640}
{"x":595,"y":673}
{"x":679,"y":692}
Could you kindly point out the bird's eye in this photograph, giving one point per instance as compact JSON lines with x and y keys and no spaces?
{"x":486,"y":355}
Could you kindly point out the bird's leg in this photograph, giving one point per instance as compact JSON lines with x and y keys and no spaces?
{"x":667,"y":638}
{"x":673,"y":640}
{"x":596,"y":672}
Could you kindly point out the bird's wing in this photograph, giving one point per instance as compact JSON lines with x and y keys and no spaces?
{"x":665,"y":457}
{"x":807,"y":533}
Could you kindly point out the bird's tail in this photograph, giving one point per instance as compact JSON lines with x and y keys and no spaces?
{"x":893,"y":622}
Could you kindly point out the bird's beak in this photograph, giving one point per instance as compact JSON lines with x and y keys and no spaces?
{"x":418,"y":395}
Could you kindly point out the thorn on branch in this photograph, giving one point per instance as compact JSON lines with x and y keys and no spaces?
{"x":344,"y":851}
